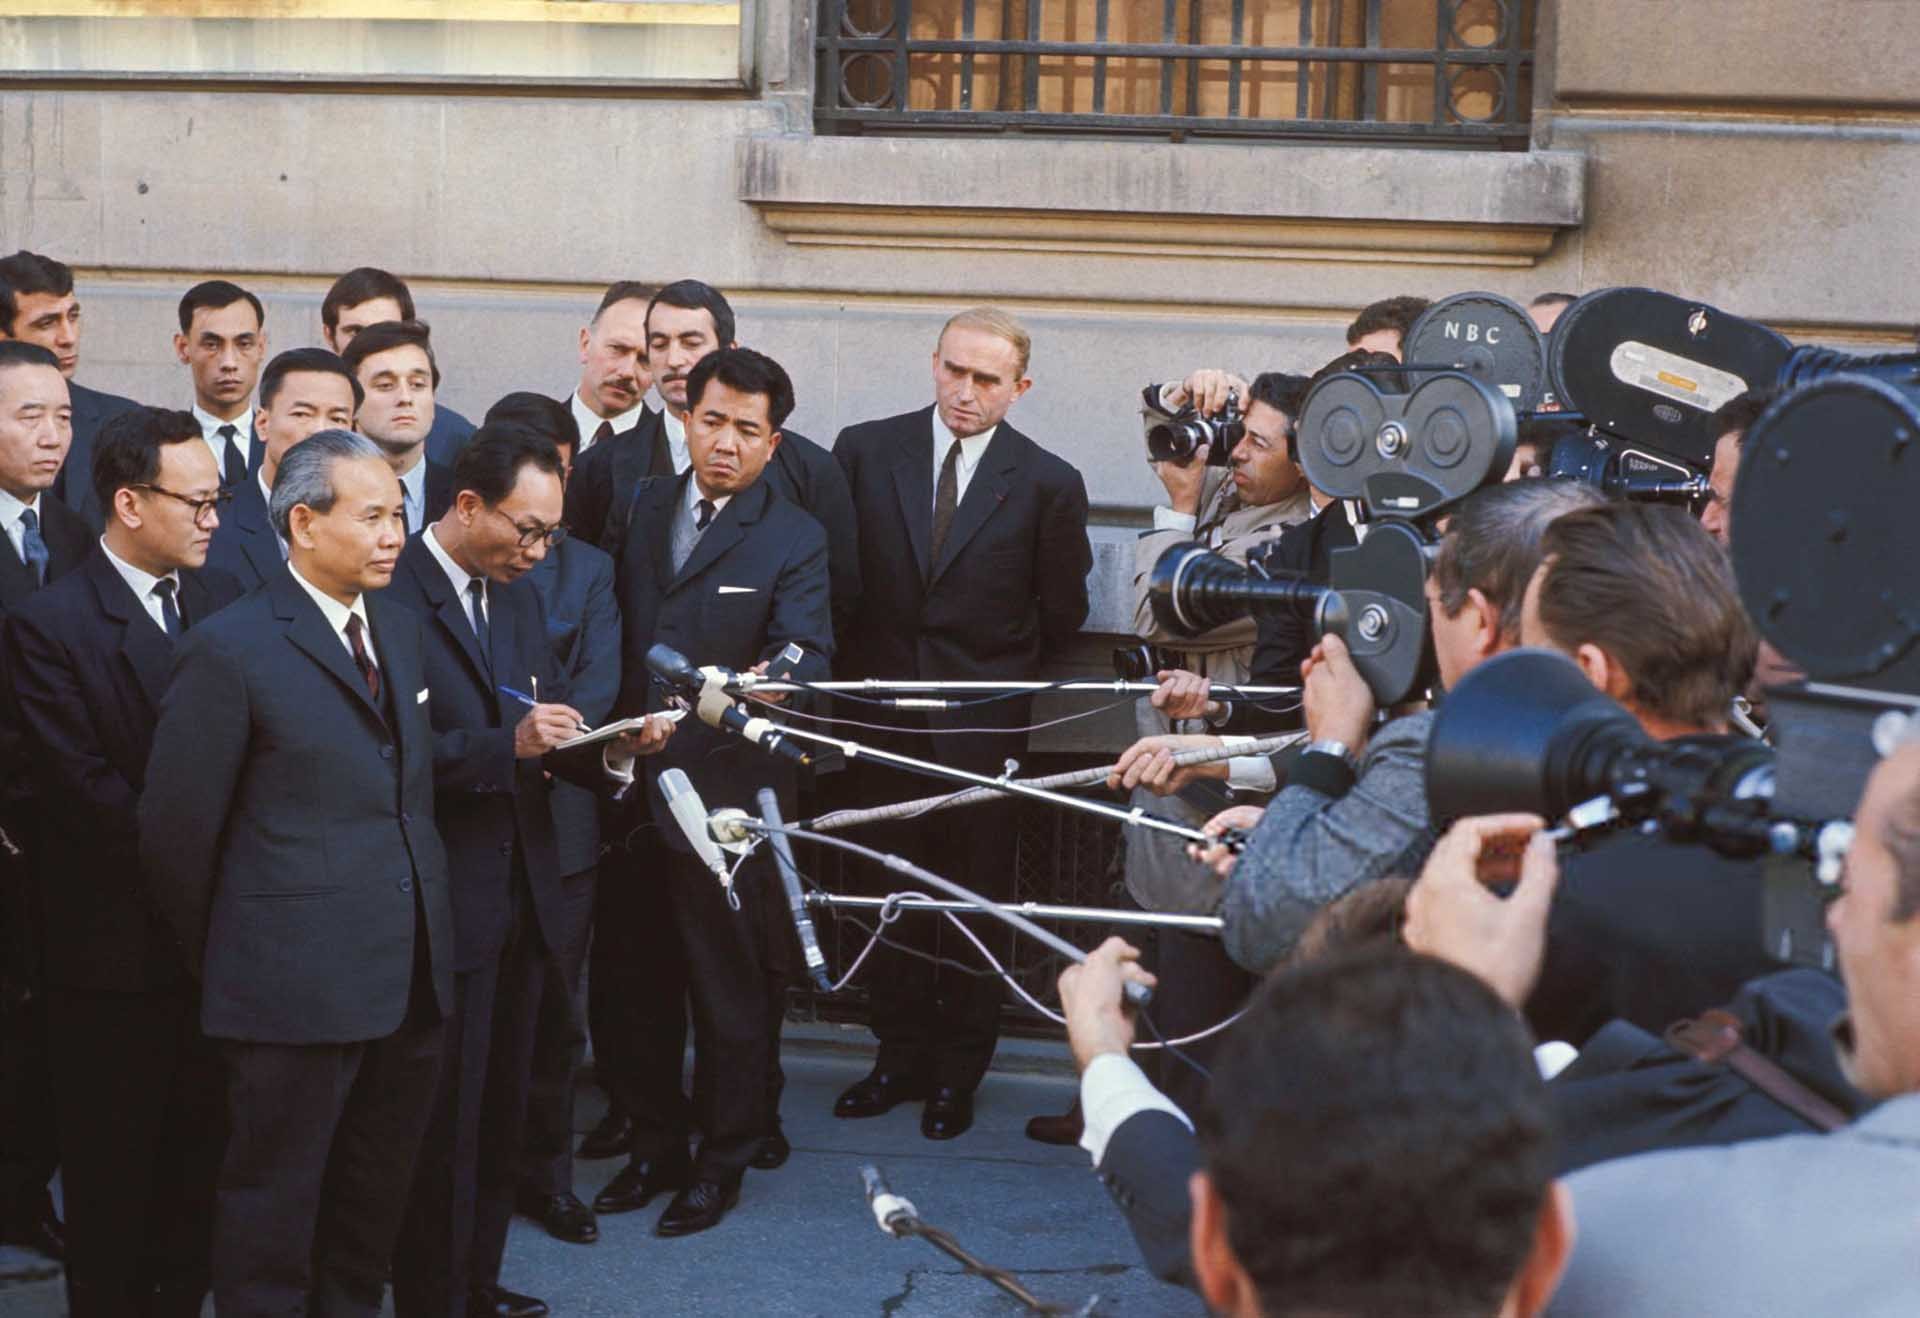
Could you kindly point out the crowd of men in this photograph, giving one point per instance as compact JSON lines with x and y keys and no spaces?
{"x":333,"y":831}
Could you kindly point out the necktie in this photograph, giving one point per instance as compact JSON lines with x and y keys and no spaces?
{"x":477,"y":596}
{"x":236,"y":461}
{"x":357,"y":637}
{"x":946,"y":497}
{"x":32,"y":548}
{"x":406,"y":521}
{"x":602,"y":433}
{"x":169,"y":612}
{"x":703,"y":514}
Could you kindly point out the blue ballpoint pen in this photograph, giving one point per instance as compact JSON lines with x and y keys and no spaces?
{"x":528,"y":700}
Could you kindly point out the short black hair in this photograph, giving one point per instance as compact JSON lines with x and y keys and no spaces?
{"x":1394,"y":313}
{"x":390,"y":334}
{"x":692,"y":295}
{"x":1554,"y":300}
{"x":547,"y":417}
{"x":1741,"y":412}
{"x":29,"y":272}
{"x":747,"y":371}
{"x":1493,"y":543}
{"x":18,"y":352}
{"x":213,"y":294}
{"x":490,"y":462}
{"x":316,"y":360}
{"x":1284,"y":393}
{"x":364,"y":284}
{"x":1380,"y":1137}
{"x":127,"y":451}
{"x":630,"y":290}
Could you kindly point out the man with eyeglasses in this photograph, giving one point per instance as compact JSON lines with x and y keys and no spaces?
{"x":497,"y":712}
{"x":136,"y":1082}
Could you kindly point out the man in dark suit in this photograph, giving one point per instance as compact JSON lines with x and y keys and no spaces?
{"x":367,"y":296}
{"x":287,"y":837}
{"x":611,"y":398}
{"x":44,"y":540}
{"x":137,"y":1084}
{"x":222,"y":343}
{"x":464,"y":576}
{"x":722,"y":569}
{"x":398,"y":376}
{"x":974,"y":554}
{"x":575,"y":582}
{"x":38,"y":305}
{"x":302,"y":392}
{"x":684,"y":322}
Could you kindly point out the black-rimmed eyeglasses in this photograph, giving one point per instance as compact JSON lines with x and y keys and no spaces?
{"x":203,"y":508}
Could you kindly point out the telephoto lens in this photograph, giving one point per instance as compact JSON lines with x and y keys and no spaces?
{"x":1179,"y":437}
{"x":1194,"y":590}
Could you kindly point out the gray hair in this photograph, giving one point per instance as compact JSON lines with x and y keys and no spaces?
{"x":305,"y":474}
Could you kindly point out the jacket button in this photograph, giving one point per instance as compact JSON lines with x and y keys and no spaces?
{"x":405,"y":818}
{"x":506,"y":848}
{"x":386,"y":752}
{"x":406,"y":885}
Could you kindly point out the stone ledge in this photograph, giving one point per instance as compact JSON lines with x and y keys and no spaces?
{"x":1267,"y":203}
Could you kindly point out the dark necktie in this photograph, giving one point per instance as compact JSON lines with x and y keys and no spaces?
{"x":169,"y":611}
{"x":32,"y":548}
{"x":703,"y":514}
{"x":477,"y":597}
{"x":602,"y":433}
{"x":236,"y":460}
{"x":946,"y":497}
{"x":406,"y":522}
{"x":357,"y":637}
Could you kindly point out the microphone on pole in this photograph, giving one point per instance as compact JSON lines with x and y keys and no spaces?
{"x":690,"y":812}
{"x":796,"y":900}
{"x":706,"y":688}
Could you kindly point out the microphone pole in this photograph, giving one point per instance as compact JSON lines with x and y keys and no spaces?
{"x":769,"y":802}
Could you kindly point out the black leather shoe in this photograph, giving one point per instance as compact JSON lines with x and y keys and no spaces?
{"x":698,"y":1207}
{"x":609,"y":1139}
{"x":636,"y":1184}
{"x":881,"y":1091}
{"x":564,"y":1217}
{"x":947,"y":1114}
{"x":499,"y":1302}
{"x":1057,"y":1128}
{"x":39,"y":1229}
{"x":773,"y":1152}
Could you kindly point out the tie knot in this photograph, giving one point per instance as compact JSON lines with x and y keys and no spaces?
{"x":164,"y":589}
{"x":703,"y":514}
{"x":604,"y":431}
{"x":355,"y":630}
{"x":477,"y":587}
{"x":228,"y":431}
{"x":30,"y":520}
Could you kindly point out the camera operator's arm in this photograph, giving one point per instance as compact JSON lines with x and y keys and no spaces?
{"x":1149,"y":763}
{"x":1193,"y":488}
{"x":1454,"y":915}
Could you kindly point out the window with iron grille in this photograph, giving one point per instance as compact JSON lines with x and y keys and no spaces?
{"x":1457,"y":72}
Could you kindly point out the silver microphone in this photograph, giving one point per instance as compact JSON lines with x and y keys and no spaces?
{"x":690,"y":812}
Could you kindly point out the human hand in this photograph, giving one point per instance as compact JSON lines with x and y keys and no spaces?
{"x":765,"y":697}
{"x":1185,"y":482}
{"x":1208,"y":391}
{"x":1183,"y":695}
{"x":651,"y":737}
{"x":1220,"y":858}
{"x":1099,"y":1019}
{"x":544,"y":727}
{"x":1149,"y":763}
{"x":1452,"y":914}
{"x":1339,"y":703}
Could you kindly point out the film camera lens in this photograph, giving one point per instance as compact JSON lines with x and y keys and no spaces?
{"x":1194,"y":590}
{"x":1179,"y":437}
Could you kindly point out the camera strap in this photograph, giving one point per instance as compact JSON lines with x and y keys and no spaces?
{"x":1714,"y":1039}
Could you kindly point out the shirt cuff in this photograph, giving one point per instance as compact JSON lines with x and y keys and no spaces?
{"x":618,"y":767}
{"x":1166,"y":519}
{"x":1249,"y":773}
{"x":1113,"y":1089}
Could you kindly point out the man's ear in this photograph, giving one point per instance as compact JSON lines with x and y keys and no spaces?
{"x":299,"y":521}
{"x":1604,"y":671}
{"x":1486,"y":634}
{"x":180,"y":348}
{"x":125,"y":508}
{"x":586,"y":337}
{"x":1223,"y":1283}
{"x":1553,"y":1237}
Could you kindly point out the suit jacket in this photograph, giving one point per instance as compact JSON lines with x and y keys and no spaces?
{"x":1146,"y":1166}
{"x":438,"y":492}
{"x":69,"y":542}
{"x":1010,"y":586}
{"x":244,"y":545}
{"x":575,"y":582}
{"x":600,"y":497}
{"x":1798,"y":1224}
{"x":286,"y":829}
{"x":88,"y":666}
{"x":772,"y":559}
{"x":449,"y":435}
{"x":488,"y":804}
{"x":91,"y":410}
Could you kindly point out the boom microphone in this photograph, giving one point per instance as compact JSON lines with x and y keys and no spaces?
{"x":690,"y":812}
{"x":706,"y":688}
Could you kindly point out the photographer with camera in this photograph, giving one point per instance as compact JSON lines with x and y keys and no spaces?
{"x":1817,"y":1223}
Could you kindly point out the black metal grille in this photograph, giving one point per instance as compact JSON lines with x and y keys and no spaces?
{"x":1456,"y":71}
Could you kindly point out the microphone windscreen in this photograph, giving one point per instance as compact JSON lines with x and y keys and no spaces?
{"x":666,"y":662}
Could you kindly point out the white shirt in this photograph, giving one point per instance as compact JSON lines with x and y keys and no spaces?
{"x":337,"y":614}
{"x":970,"y":450}
{"x":217,"y":443}
{"x":413,"y":494}
{"x":1112,"y":1089}
{"x":461,"y":579}
{"x":589,"y":421}
{"x":677,"y":442}
{"x":142,"y":584}
{"x":693,"y":502}
{"x":10,"y":510}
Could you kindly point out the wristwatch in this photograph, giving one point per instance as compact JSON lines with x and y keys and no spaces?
{"x":1332,"y":746}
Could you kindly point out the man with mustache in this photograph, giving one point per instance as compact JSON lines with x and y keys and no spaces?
{"x":610,"y":400}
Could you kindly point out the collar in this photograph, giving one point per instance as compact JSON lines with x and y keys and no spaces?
{"x":210,"y":424}
{"x":11,"y":508}
{"x":266,"y":490}
{"x":652,"y":401}
{"x":414,"y":482}
{"x":332,"y":609}
{"x":588,"y":421}
{"x":694,"y":497}
{"x":458,"y":575}
{"x":676,"y":430}
{"x":139,"y":581}
{"x":970,"y":448}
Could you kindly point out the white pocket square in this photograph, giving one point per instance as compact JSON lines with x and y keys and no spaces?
{"x":421,"y":699}
{"x":736,"y":590}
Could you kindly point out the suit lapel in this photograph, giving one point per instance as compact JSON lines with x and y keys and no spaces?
{"x":501,"y":631}
{"x":449,"y":610}
{"x":258,"y":543}
{"x":308,"y":630}
{"x":399,"y":669}
{"x":728,"y":530}
{"x":16,"y":579}
{"x":991,"y":483}
{"x":653,"y":523}
{"x":147,"y":650}
{"x":913,"y":482}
